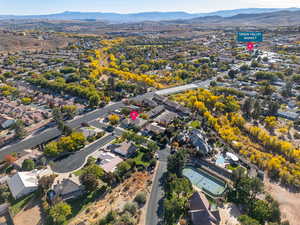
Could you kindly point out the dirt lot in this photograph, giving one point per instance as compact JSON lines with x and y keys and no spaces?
{"x":229,"y":214}
{"x":289,"y":202}
{"x":14,"y":43}
{"x":31,"y":215}
{"x":115,"y":200}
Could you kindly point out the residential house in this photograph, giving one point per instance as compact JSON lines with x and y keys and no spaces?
{"x":6,"y":121}
{"x":138,"y":123}
{"x":109,"y":161}
{"x":149,"y":102}
{"x":200,"y":211}
{"x":199,"y":142}
{"x":88,"y":131}
{"x":288,"y":115}
{"x":165,"y":118}
{"x":155,"y":111}
{"x":23,"y":183}
{"x":172,"y":106}
{"x":155,"y":128}
{"x":68,"y":188}
{"x":125,"y":149}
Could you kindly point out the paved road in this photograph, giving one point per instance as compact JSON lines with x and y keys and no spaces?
{"x":77,"y":160}
{"x":174,"y":90}
{"x":52,"y":133}
{"x":155,"y":209}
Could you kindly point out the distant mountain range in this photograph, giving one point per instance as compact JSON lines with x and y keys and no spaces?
{"x":146,"y":16}
{"x":282,"y":18}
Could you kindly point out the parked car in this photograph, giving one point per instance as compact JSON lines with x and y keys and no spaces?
{"x":110,"y":129}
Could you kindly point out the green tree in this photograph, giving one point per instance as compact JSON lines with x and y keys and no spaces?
{"x":122,"y":168}
{"x":180,"y":187}
{"x":273,"y":108}
{"x":173,"y":208}
{"x":141,"y":198}
{"x":152,"y":146}
{"x":60,"y":212}
{"x":46,"y":182}
{"x":254,"y":63}
{"x":51,"y":149}
{"x":131,"y":208}
{"x":257,"y":110}
{"x":4,"y":193}
{"x":110,"y":218}
{"x":246,"y":220}
{"x":94,"y":100}
{"x":287,"y":90}
{"x":94,"y":170}
{"x":57,"y":115}
{"x":26,"y":100}
{"x":90,"y":181}
{"x":265,"y":59}
{"x":28,"y":165}
{"x":267,"y":90}
{"x":245,"y":190}
{"x":176,"y":163}
{"x":260,"y":211}
{"x":244,"y":67}
{"x":79,"y":139}
{"x":247,"y":106}
{"x":232,"y":73}
{"x":126,"y":219}
{"x":19,"y":128}
{"x":69,"y":110}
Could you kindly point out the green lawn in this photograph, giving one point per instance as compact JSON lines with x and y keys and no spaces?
{"x":195,"y":124}
{"x":230,"y":167}
{"x":118,"y":140}
{"x":19,"y":204}
{"x":138,"y":159}
{"x":79,"y":172}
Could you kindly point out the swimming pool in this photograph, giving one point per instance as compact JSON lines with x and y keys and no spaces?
{"x":205,"y":181}
{"x":221,"y":161}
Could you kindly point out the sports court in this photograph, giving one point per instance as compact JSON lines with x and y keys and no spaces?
{"x":205,"y":181}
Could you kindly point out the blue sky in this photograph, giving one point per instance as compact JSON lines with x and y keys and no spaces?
{"x":129,"y":6}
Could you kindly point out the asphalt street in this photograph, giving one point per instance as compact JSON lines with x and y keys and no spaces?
{"x":155,"y":208}
{"x":174,"y":90}
{"x":77,"y":160}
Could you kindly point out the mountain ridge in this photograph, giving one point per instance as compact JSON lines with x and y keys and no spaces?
{"x":143,"y":16}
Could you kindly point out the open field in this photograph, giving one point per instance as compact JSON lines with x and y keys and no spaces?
{"x":10,"y":42}
{"x":31,"y":215}
{"x":115,"y":200}
{"x":289,"y":202}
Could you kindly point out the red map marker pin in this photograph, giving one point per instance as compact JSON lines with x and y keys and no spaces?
{"x":134,"y":115}
{"x":250,"y":46}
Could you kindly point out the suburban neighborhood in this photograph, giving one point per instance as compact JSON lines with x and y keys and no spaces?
{"x":149,"y":123}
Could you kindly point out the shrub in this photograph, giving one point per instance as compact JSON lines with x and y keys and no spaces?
{"x":130,"y":207}
{"x":140,"y":198}
{"x":28,"y":165}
